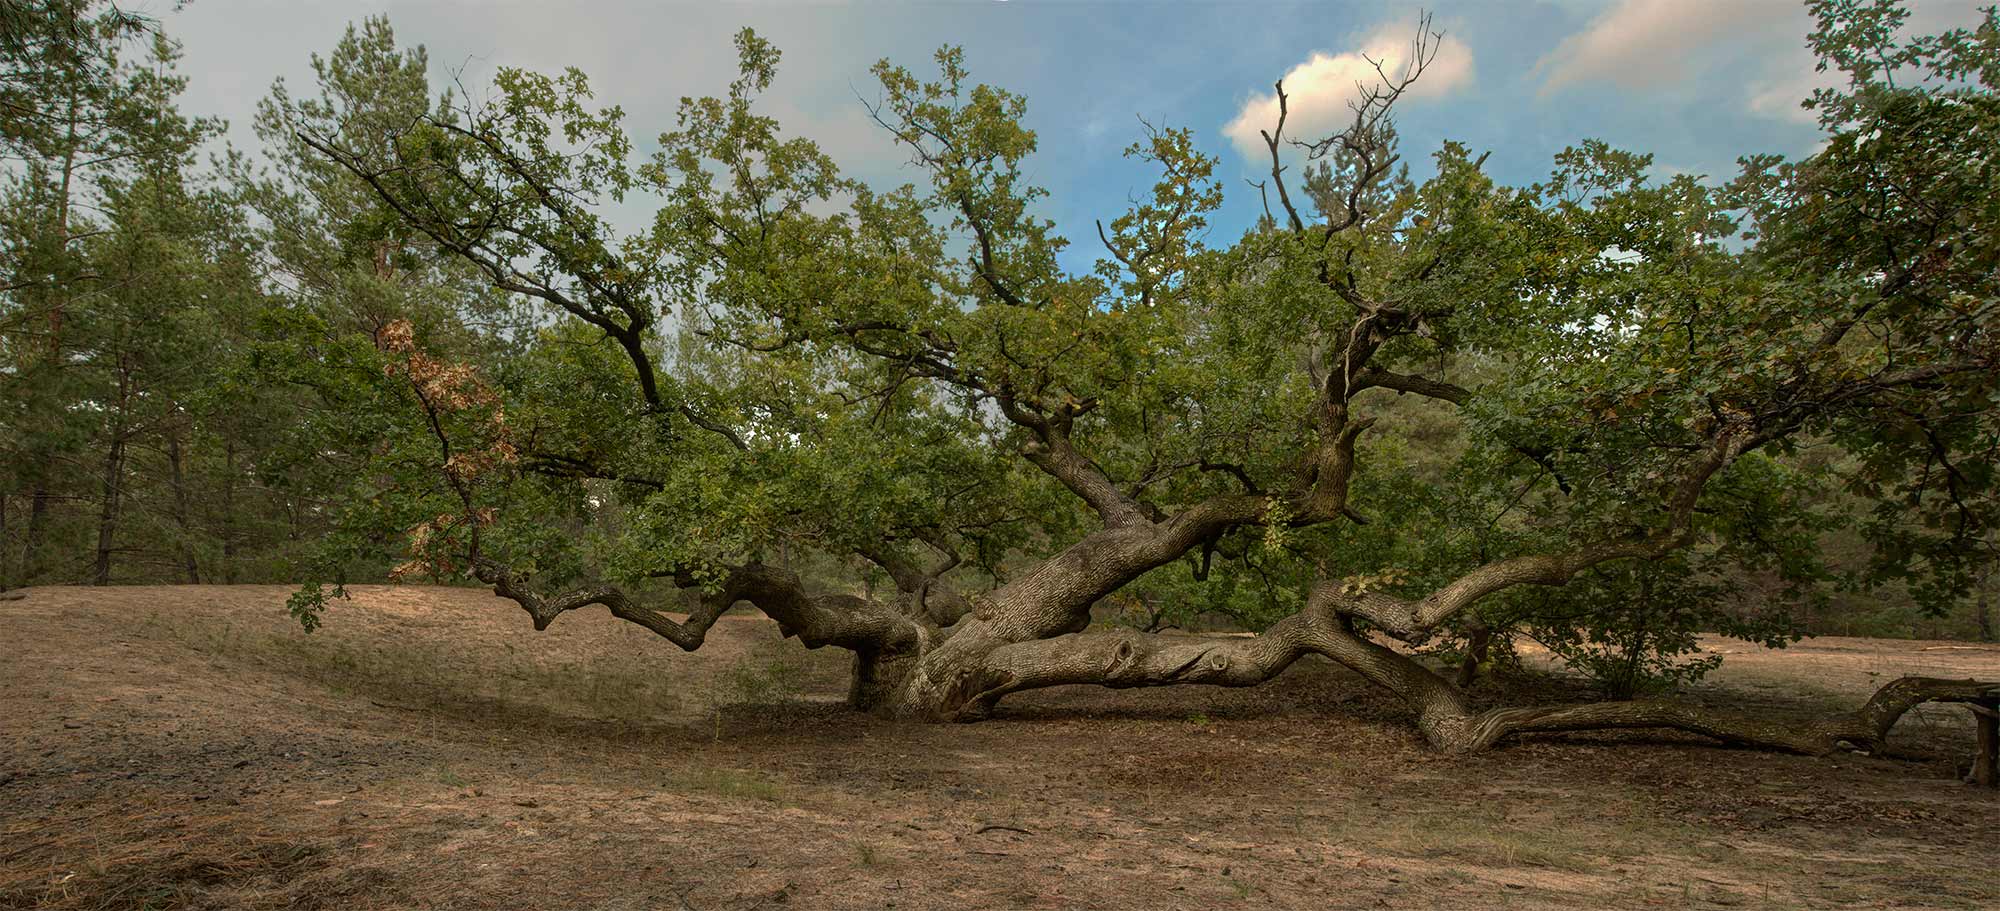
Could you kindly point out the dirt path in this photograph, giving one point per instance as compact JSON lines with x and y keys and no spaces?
{"x":187,"y":747}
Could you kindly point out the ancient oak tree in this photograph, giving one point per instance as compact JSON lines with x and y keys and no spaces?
{"x":1390,"y":404}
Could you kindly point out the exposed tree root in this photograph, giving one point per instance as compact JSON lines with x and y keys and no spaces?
{"x":1866,"y":727}
{"x":1132,"y":659}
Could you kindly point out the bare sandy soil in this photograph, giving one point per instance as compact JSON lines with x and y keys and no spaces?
{"x":189,"y":747}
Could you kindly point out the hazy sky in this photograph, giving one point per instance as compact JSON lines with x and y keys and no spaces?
{"x":1696,"y":82}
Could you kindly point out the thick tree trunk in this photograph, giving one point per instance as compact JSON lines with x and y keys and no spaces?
{"x":878,"y":679}
{"x":1031,"y":633}
{"x":1053,"y":599}
{"x":981,"y":671}
{"x":1447,"y":721}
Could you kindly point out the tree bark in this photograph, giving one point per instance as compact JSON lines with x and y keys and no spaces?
{"x":878,"y":677}
{"x":1867,"y":726}
{"x":62,"y":215}
{"x":113,"y":481}
{"x":1129,"y":658}
{"x":107,"y":515}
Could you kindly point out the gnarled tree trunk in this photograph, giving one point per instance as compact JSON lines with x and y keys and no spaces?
{"x":1032,"y":634}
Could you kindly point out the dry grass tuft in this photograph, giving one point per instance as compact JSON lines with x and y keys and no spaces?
{"x":119,"y":860}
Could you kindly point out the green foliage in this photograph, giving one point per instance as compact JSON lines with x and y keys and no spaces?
{"x":1900,"y":200}
{"x":409,"y":343}
{"x":308,"y":603}
{"x":1631,"y":627}
{"x":856,"y":368}
{"x":126,"y":274}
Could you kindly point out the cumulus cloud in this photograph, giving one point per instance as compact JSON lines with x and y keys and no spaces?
{"x":1640,"y":43}
{"x":1318,"y":91}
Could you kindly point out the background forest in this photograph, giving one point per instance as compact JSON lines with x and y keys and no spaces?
{"x":199,"y":381}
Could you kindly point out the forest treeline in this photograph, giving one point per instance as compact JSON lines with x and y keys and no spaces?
{"x":158,"y":303}
{"x":193,"y":381}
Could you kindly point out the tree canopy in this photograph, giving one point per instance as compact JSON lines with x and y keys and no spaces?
{"x":898,"y":421}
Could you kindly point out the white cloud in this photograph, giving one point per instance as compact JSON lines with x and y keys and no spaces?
{"x":1645,"y":44}
{"x":1318,"y":91}
{"x":1640,"y":43}
{"x":1780,"y":99}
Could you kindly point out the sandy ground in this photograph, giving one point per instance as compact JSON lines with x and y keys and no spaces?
{"x":189,"y":747}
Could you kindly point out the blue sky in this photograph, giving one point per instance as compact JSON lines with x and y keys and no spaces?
{"x":1695,"y":82}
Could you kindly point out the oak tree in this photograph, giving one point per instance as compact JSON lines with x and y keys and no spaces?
{"x":1393,"y":405}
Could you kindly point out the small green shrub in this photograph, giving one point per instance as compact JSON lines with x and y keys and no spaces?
{"x":1633,"y":627}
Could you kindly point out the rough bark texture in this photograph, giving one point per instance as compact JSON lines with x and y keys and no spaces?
{"x":907,"y":666}
{"x":1865,"y":727}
